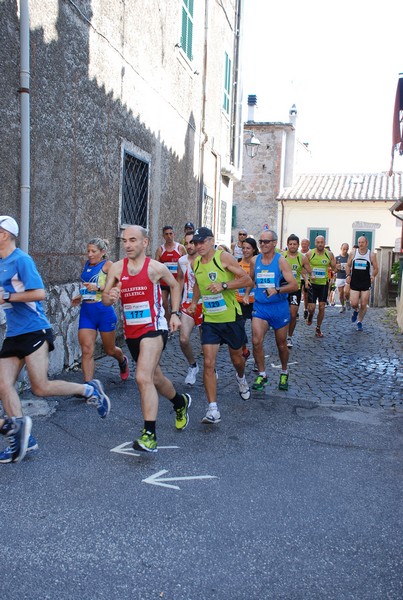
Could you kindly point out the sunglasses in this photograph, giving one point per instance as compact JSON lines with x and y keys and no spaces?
{"x":244,"y":234}
{"x":266,"y":241}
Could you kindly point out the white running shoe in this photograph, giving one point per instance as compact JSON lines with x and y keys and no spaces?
{"x":289,"y":342}
{"x":342,"y":310}
{"x":244,"y":389}
{"x":212,"y":416}
{"x":191,"y":376}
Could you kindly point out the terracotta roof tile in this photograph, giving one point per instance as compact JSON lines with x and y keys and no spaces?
{"x":346,"y":187}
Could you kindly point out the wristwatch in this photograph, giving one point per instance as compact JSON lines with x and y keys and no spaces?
{"x":278,"y":290}
{"x":224,"y":286}
{"x":176,"y":312}
{"x":6,"y":296}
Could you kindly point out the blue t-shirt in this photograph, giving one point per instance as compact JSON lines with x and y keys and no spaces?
{"x":18,"y":273}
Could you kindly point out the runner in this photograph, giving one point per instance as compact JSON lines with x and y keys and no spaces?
{"x":274,"y":280}
{"x":136,"y":281}
{"x":218,"y":275}
{"x":343,"y":291}
{"x":249,"y":249}
{"x":169,"y":253}
{"x":186,"y":280}
{"x":94,"y":316}
{"x":300,"y":267}
{"x":320,"y":259}
{"x":29,"y":339}
{"x":236,"y":247}
{"x":364,"y":268}
{"x":304,"y":280}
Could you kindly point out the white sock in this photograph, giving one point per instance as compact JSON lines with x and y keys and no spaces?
{"x":213,"y":406}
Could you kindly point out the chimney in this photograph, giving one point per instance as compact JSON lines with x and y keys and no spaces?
{"x":290,"y":149}
{"x":252,"y":106}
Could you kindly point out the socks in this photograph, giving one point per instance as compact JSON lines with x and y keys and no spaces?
{"x":178,"y":401}
{"x":149,"y":426}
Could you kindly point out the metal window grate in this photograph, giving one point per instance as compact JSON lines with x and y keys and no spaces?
{"x":208,"y":208}
{"x":135,"y":191}
{"x":223,"y":217}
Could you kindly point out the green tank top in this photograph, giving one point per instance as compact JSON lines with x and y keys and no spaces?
{"x":217,"y":308}
{"x":295,"y":263}
{"x":320,"y":264}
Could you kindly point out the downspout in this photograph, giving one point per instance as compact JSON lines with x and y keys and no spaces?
{"x":25,"y":184}
{"x":282,"y":224}
{"x":204,"y":136}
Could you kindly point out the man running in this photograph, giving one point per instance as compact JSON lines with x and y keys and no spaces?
{"x":186,"y":280}
{"x":169,"y":253}
{"x":136,"y":281}
{"x":218,"y":275}
{"x":300,"y":267}
{"x":29,"y":339}
{"x":304,"y":280}
{"x":363,"y":266}
{"x":343,"y":290}
{"x":273,"y":280}
{"x":320,"y":259}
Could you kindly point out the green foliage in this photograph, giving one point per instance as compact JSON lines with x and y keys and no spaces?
{"x":395,"y":273}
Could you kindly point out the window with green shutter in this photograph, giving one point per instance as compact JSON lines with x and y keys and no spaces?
{"x":227,"y":84}
{"x":187,"y":28}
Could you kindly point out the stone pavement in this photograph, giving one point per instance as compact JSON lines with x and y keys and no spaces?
{"x":345,"y":367}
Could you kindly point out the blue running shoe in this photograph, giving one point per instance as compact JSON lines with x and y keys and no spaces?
{"x":359,"y":326}
{"x":19,"y":436}
{"x":354,"y":316}
{"x":99,"y":398}
{"x":7,"y":456}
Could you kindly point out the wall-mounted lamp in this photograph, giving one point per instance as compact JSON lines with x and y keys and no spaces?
{"x":251,"y":144}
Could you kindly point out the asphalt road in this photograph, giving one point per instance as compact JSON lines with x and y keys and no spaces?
{"x":294,"y":495}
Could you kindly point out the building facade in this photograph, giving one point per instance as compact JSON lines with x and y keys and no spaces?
{"x":135,"y":117}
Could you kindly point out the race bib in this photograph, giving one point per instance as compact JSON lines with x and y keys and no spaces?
{"x":214,"y":304}
{"x":173,"y":267}
{"x":265,"y":279}
{"x":87,"y":295}
{"x":138,"y":313}
{"x":360,"y":265}
{"x":318,"y":272}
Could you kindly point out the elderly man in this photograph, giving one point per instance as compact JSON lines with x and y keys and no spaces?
{"x":236,"y":247}
{"x":29,"y":339}
{"x":320,"y":259}
{"x":274,"y":281}
{"x":362,"y":268}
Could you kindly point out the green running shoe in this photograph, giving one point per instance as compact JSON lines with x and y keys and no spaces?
{"x":283,"y":385}
{"x":182,"y":414}
{"x":146,"y":442}
{"x":260,"y":383}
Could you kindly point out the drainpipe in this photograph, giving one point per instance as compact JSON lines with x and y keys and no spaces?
{"x":25,"y":184}
{"x":204,"y":136}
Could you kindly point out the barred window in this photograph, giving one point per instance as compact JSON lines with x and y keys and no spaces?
{"x":134,"y":191}
{"x":223,"y":217}
{"x":208,"y":210}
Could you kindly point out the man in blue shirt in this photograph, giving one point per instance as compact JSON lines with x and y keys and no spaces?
{"x":29,"y":339}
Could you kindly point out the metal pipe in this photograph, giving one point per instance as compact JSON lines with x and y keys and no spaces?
{"x":25,"y":183}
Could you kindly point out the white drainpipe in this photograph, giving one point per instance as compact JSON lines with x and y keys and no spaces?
{"x":25,"y":185}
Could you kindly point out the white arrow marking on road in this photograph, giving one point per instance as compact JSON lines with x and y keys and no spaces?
{"x":126,"y":448}
{"x":157,"y":480}
{"x":279,"y":366}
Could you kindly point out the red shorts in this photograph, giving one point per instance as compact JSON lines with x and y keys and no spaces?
{"x":197,"y":316}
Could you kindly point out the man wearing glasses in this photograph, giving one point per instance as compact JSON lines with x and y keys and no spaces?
{"x":236,"y":247}
{"x":274,"y":280}
{"x":218,"y":275}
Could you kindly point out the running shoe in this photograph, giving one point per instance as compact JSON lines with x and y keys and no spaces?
{"x":255,"y":368}
{"x":354,"y":316}
{"x":342,"y":310}
{"x":182,"y":414}
{"x":305,"y":314}
{"x":146,"y":442}
{"x":244,"y":389}
{"x":99,"y":398}
{"x":124,"y":369}
{"x":348,"y":304}
{"x":309,"y":319}
{"x":260,"y":383}
{"x":289,"y":342}
{"x":7,"y":456}
{"x":191,"y":376}
{"x":19,"y":436}
{"x":212,"y":416}
{"x":318,"y":333}
{"x":359,"y":326}
{"x":283,"y":383}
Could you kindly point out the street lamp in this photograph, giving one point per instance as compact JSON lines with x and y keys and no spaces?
{"x":251,"y":144}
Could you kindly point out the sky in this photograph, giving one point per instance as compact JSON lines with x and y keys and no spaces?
{"x":339,"y":62}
